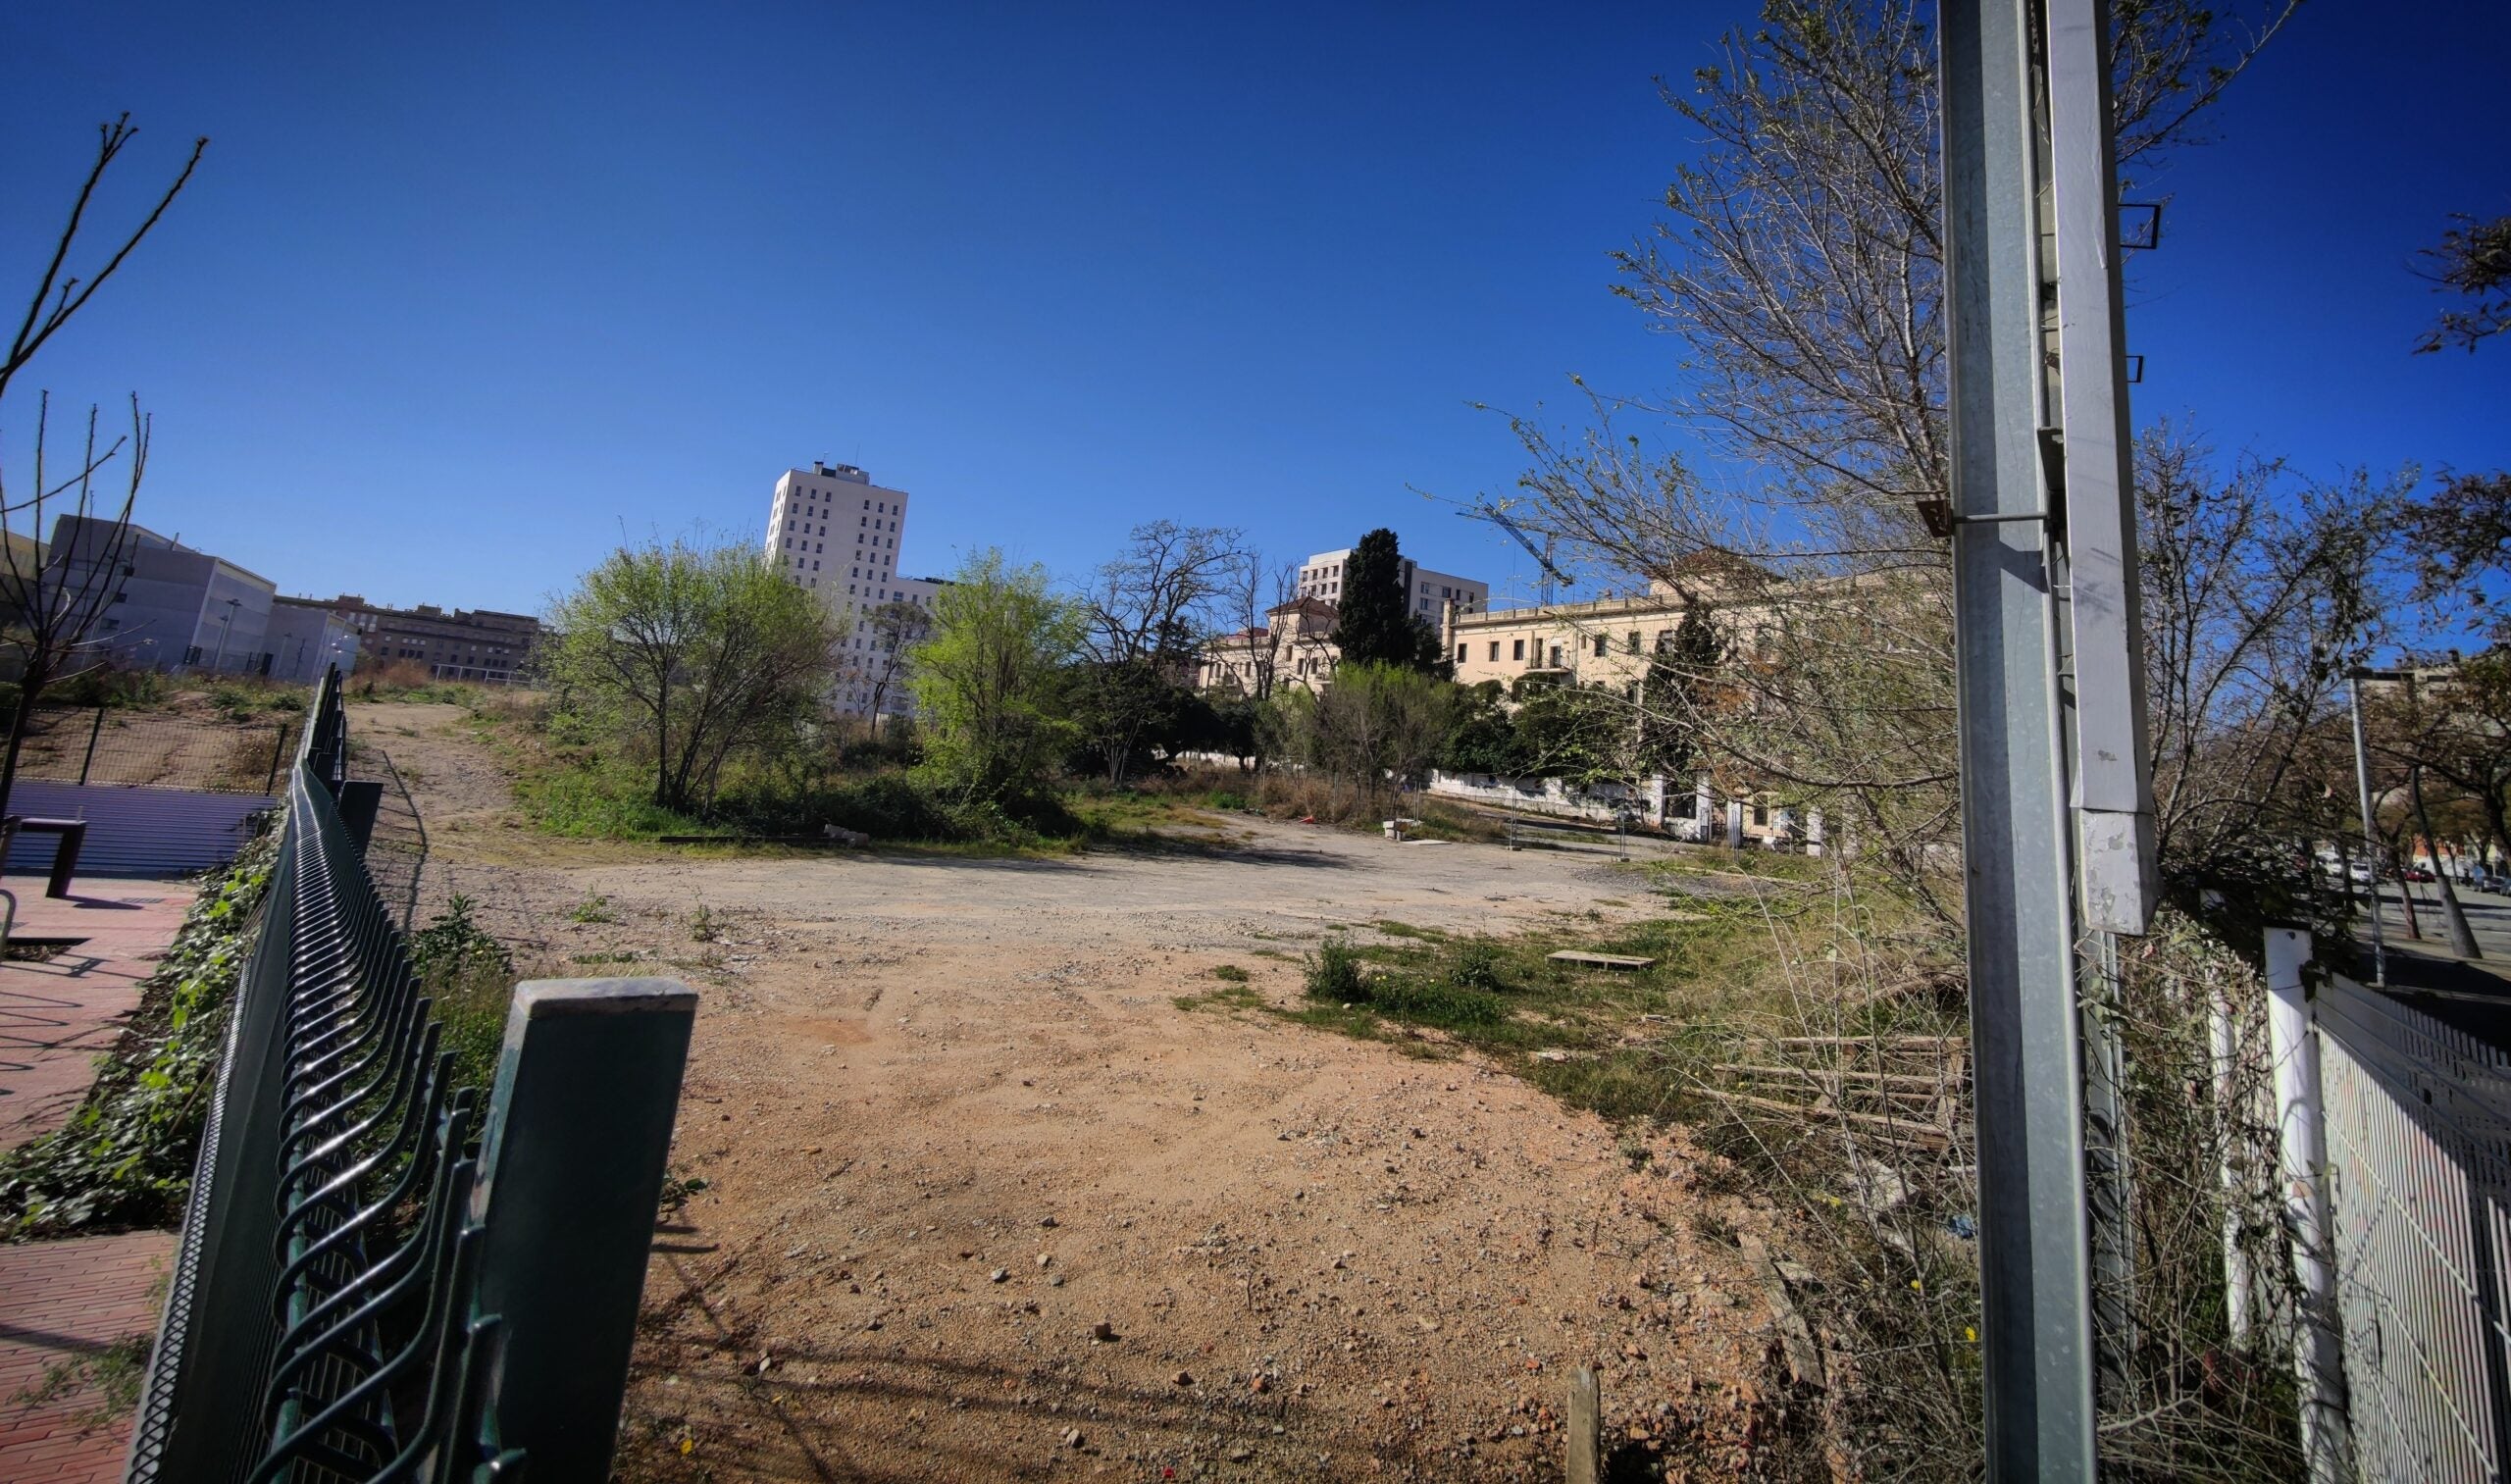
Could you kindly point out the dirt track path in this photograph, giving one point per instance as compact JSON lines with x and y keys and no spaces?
{"x":1316,"y":1256}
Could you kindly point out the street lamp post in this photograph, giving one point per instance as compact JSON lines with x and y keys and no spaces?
{"x":227,"y":626}
{"x":2371,"y":834}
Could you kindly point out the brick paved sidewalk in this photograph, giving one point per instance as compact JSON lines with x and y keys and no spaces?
{"x":56,"y":1015}
{"x":63,"y":1306}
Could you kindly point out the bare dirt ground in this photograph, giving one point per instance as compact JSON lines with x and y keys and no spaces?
{"x":980,"y":1200}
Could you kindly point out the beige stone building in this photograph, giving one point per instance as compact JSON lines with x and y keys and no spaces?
{"x":1294,"y":646}
{"x":1604,"y":643}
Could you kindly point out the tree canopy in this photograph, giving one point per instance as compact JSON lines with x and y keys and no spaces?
{"x":688,"y":654}
{"x":990,"y":682}
{"x":1373,"y":624}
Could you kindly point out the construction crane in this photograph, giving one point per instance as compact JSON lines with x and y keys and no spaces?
{"x":1542,"y":554}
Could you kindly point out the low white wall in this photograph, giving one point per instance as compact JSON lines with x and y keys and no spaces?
{"x":1545,"y":796}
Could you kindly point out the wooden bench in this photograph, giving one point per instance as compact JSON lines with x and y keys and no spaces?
{"x":1600,"y":960}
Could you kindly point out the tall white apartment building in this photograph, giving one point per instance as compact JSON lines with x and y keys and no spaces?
{"x":836,"y":533}
{"x":1427,"y":592}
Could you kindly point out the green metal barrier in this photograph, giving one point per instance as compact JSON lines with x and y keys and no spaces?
{"x":376,"y":1279}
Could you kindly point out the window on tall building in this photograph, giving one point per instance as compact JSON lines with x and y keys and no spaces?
{"x":1634,"y":642}
{"x":1602,"y":644}
{"x":1495,"y":648}
{"x":1556,"y":656}
{"x":1460,"y":654}
{"x":1517,"y":649}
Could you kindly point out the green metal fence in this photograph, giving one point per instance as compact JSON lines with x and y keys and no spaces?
{"x":379,"y":1277}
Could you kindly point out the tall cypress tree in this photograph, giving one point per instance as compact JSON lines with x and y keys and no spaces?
{"x":1375,"y":623}
{"x":1675,"y":687}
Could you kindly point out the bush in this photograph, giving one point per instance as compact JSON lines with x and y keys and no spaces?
{"x":593,"y":802}
{"x":1334,"y":973}
{"x":1478,"y":965}
{"x":453,"y":943}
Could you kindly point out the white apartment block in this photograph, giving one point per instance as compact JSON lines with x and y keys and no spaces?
{"x":1321,"y":576}
{"x":837,"y":534}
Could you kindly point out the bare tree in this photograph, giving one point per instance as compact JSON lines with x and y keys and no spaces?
{"x":2473,"y":259}
{"x":1158,"y":598}
{"x":53,"y":603}
{"x":1150,"y":613}
{"x":897,"y":627}
{"x":1800,"y":264}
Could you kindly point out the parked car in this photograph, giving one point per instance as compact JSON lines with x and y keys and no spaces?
{"x":2417,"y":873}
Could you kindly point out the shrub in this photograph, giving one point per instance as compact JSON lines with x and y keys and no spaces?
{"x":1334,"y":973}
{"x":470,"y":975}
{"x":1478,"y":965}
{"x":452,"y":944}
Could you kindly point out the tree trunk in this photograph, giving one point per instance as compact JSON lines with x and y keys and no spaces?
{"x":2405,"y":896}
{"x":30,"y":689}
{"x":2462,"y":938}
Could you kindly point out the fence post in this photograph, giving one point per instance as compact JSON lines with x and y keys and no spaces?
{"x":571,"y":1165}
{"x":94,"y":730}
{"x":278,"y":751}
{"x":2224,"y":1038}
{"x":2302,"y":1142}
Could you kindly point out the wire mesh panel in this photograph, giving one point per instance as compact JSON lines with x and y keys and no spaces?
{"x":2418,"y":1121}
{"x":155,"y":749}
{"x":323,"y":1320}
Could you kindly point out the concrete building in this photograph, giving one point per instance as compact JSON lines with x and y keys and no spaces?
{"x":1427,"y":593}
{"x":838,"y":534}
{"x":307,"y":637}
{"x":475,"y":644}
{"x":174,"y":608}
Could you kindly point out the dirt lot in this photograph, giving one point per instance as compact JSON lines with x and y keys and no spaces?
{"x":980,"y":1200}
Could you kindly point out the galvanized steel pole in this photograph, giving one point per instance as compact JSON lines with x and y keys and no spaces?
{"x":2036,"y":1337}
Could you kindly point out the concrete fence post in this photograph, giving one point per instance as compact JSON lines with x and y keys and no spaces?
{"x":2224,"y":1036}
{"x":2303,"y":1140}
{"x":571,"y":1166}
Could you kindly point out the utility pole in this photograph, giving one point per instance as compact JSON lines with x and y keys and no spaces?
{"x":2056,"y":793}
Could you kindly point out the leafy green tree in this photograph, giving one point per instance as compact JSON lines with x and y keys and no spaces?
{"x":689,"y":656}
{"x":1373,"y":624}
{"x":1577,"y":733}
{"x":1125,"y":711}
{"x":990,"y":683}
{"x":1482,"y":736}
{"x":1378,"y":724}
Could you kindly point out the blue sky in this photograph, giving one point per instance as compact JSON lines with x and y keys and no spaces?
{"x":463,"y":291}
